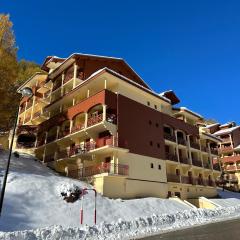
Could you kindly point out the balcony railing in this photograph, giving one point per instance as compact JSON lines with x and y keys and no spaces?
{"x":94,"y":120}
{"x":183,"y":160}
{"x":56,"y":85}
{"x":27,"y":119}
{"x":173,"y":178}
{"x":171,"y":157}
{"x":231,"y":168}
{"x":77,"y":128}
{"x":169,"y":137}
{"x":226,"y":149}
{"x":88,"y":146}
{"x":37,"y":114}
{"x":195,"y":145}
{"x":227,"y":139}
{"x":63,"y":133}
{"x":112,"y":168}
{"x":186,"y":180}
{"x":196,"y":162}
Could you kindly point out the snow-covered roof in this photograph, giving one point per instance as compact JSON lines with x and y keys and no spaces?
{"x":212,"y":125}
{"x":97,"y":56}
{"x":228,"y":124}
{"x":226,"y":131}
{"x":189,"y":111}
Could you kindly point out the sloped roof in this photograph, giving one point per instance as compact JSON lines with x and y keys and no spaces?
{"x":170,"y":94}
{"x":226,"y":131}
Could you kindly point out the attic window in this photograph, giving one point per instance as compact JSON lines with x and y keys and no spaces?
{"x":148,"y":103}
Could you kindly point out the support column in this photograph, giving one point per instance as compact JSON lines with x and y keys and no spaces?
{"x":105,"y":83}
{"x":88,"y":93}
{"x":74,"y":74}
{"x":104,"y":112}
{"x":177,"y":151}
{"x":210,"y":155}
{"x":189,"y":148}
{"x":86,"y":120}
{"x":71,"y":126}
{"x":34,"y":98}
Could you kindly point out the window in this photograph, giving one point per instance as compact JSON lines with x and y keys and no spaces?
{"x":158,"y":145}
{"x":150,"y":122}
{"x":157,"y":125}
{"x":155,"y":106}
{"x":148,"y":103}
{"x":159,"y":167}
{"x":151,"y":165}
{"x":177,"y":172}
{"x":151,"y":143}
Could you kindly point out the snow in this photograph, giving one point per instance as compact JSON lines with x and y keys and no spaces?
{"x":226,"y":131}
{"x":34,"y":209}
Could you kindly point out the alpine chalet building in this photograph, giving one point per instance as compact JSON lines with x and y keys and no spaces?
{"x":93,"y":118}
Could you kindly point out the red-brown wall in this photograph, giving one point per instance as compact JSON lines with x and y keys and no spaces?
{"x":135,"y":131}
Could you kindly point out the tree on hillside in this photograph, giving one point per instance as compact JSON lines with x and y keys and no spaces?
{"x":8,"y":71}
{"x":12,"y":73}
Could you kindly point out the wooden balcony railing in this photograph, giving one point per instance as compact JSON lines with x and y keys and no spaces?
{"x":77,"y":128}
{"x":226,"y":149}
{"x":171,"y":157}
{"x":169,"y":137}
{"x":112,"y":168}
{"x":214,"y":151}
{"x":94,"y":120}
{"x":173,"y":178}
{"x":204,"y":149}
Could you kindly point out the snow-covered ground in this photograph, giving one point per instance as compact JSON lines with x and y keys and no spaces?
{"x":34,"y":209}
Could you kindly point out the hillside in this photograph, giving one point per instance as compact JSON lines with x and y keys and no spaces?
{"x":33,"y":201}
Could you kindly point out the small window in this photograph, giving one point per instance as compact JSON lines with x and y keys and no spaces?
{"x":150,"y":122}
{"x":159,"y":167}
{"x":155,"y":106}
{"x":148,"y":103}
{"x":158,"y":145}
{"x":151,"y":165}
{"x":151,"y":143}
{"x":157,"y":125}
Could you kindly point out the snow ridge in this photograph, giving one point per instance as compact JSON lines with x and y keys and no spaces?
{"x":127,"y":229}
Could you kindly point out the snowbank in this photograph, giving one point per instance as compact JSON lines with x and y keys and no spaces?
{"x":126,"y":229}
{"x":34,"y":209}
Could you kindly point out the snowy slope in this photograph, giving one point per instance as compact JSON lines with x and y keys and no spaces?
{"x":33,"y":201}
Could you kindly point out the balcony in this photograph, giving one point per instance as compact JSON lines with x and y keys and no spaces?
{"x":89,"y":146}
{"x":63,"y":133}
{"x":181,"y":141}
{"x":204,"y":148}
{"x":94,"y":120}
{"x":171,"y":157}
{"x":186,"y":180}
{"x":214,"y":151}
{"x":216,"y":167}
{"x":230,"y":168}
{"x":110,"y":168}
{"x":183,"y":160}
{"x":56,"y":86}
{"x":169,"y":137}
{"x":207,"y":165}
{"x":51,"y":138}
{"x":173,"y":178}
{"x":195,"y":145}
{"x":226,"y":149}
{"x":63,"y":154}
{"x":196,"y":162}
{"x":77,"y":128}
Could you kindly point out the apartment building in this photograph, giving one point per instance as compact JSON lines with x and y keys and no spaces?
{"x":93,"y":118}
{"x":229,"y":152}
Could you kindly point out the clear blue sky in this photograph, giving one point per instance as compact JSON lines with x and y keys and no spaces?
{"x":192,"y":47}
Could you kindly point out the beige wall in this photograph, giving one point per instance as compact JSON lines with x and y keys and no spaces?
{"x":140,"y":167}
{"x":4,"y":141}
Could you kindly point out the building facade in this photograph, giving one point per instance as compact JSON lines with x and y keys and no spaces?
{"x":229,"y":152}
{"x":93,"y":118}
